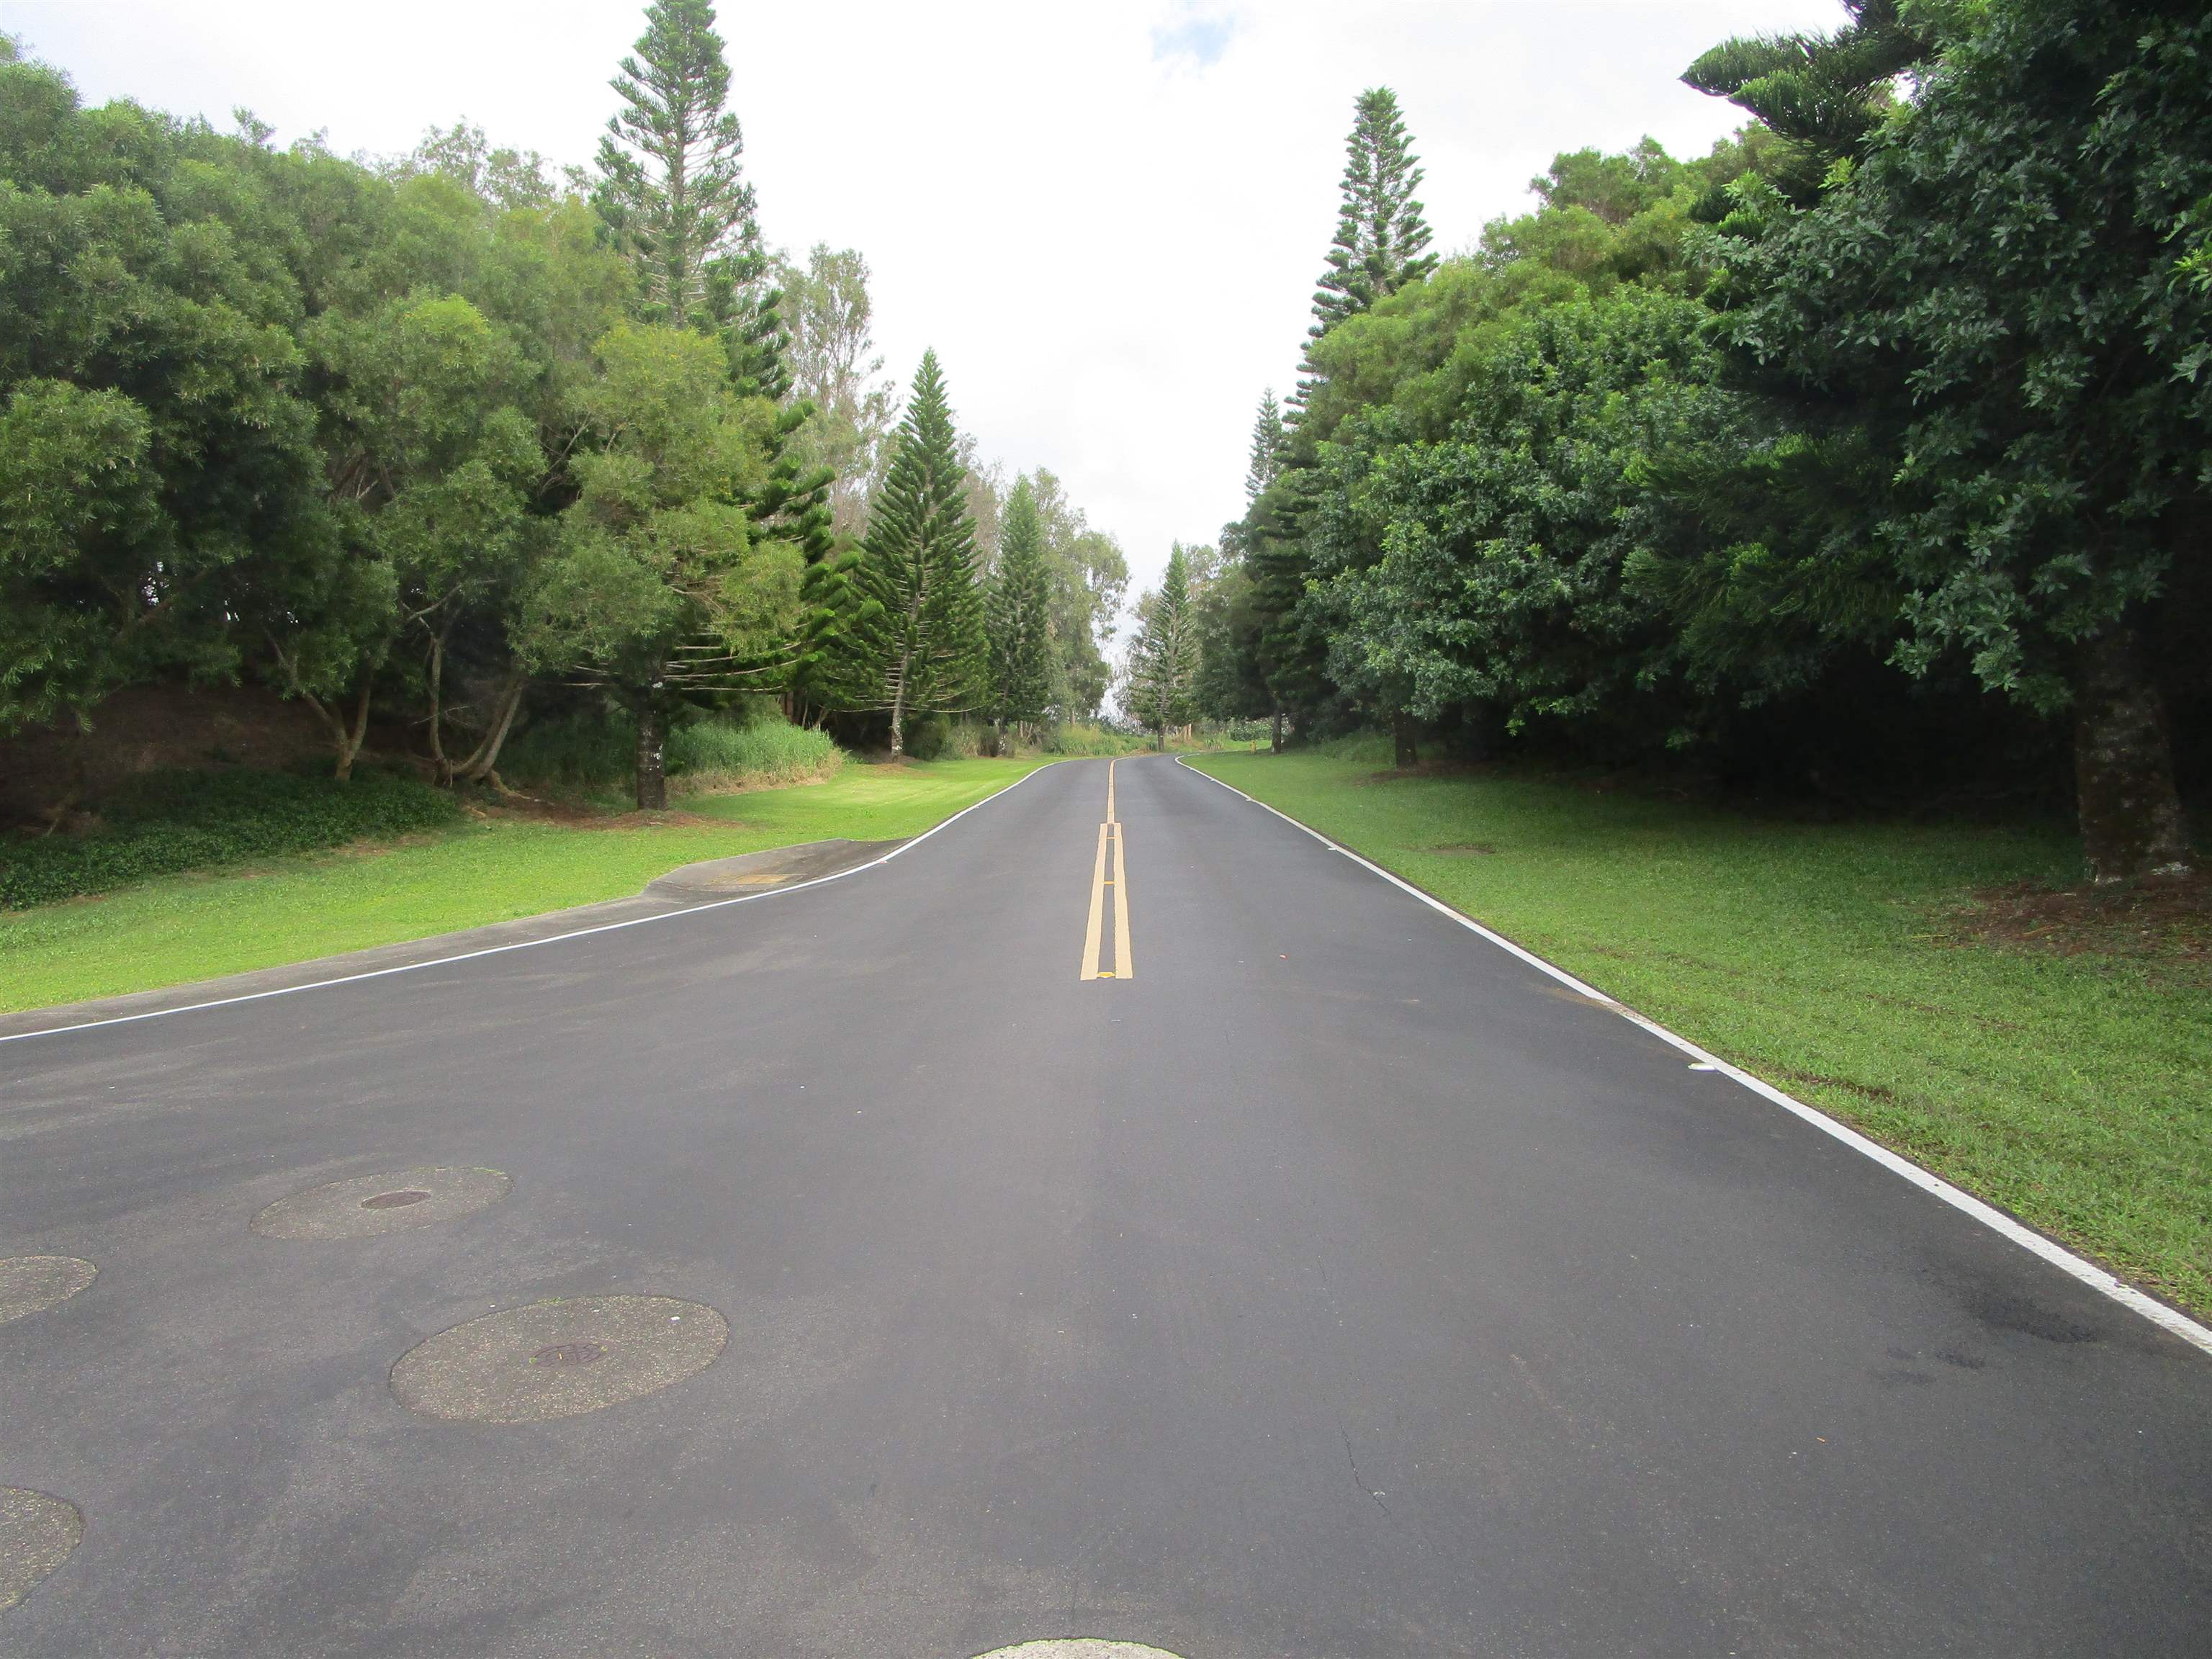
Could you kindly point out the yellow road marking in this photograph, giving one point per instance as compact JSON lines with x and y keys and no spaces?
{"x":1094,"y":930}
{"x":1091,"y":929}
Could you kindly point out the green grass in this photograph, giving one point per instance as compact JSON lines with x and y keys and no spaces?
{"x":189,"y":927}
{"x":2073,"y":1090}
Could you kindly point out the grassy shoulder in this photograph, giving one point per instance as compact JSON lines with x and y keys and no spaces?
{"x":197,"y":926}
{"x":1851,"y":965}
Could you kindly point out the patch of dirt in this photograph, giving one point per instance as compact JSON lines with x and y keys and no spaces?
{"x":1867,"y":1090}
{"x":1464,"y":849}
{"x":2164,"y":921}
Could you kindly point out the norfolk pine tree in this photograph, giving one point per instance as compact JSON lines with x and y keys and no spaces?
{"x":1163,"y":657}
{"x":912,"y":639}
{"x":672,"y":180}
{"x":1020,"y":615}
{"x":1382,"y":237}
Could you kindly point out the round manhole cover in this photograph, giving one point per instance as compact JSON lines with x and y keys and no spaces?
{"x":389,"y":1203}
{"x":37,"y":1533}
{"x":558,"y":1358}
{"x":569,"y":1354}
{"x":30,"y":1283}
{"x":394,"y":1201}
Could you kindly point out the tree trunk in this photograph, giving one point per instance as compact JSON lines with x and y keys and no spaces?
{"x":351,"y":736}
{"x":437,"y":676}
{"x":2130,"y":816}
{"x":1403,"y":739}
{"x":481,"y":761}
{"x":1275,"y":738}
{"x":651,"y":760}
{"x":898,"y":710}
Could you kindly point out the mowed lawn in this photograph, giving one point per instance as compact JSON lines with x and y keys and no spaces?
{"x":189,"y":927}
{"x":2073,"y":1090}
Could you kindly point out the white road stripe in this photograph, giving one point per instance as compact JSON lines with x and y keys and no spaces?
{"x":2166,"y":1319}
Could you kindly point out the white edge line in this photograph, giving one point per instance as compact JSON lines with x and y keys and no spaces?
{"x":2097,"y":1279}
{"x":521,"y":944}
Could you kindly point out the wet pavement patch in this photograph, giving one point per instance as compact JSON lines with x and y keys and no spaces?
{"x":30,"y":1283}
{"x":370,"y":1205}
{"x":37,"y":1534}
{"x":1078,"y":1647}
{"x":558,"y":1358}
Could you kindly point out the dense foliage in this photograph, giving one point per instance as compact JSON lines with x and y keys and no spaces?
{"x":167,"y":822}
{"x":451,"y":444}
{"x":1876,"y":441}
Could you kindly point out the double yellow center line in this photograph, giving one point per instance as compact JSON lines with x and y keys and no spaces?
{"x":1109,"y":834}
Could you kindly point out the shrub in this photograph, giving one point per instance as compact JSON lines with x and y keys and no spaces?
{"x":925,"y":736}
{"x":165,"y":822}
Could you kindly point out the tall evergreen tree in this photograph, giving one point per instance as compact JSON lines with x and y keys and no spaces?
{"x":1267,"y":459}
{"x":1381,"y":238}
{"x":673,"y":189}
{"x":913,"y":641}
{"x":1163,"y":657}
{"x":1020,"y":614}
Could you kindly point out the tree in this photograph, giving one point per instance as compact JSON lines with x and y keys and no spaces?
{"x":1089,"y":575}
{"x":835,"y":366}
{"x":671,"y":182}
{"x":913,"y":641}
{"x":665,"y":587}
{"x":1020,"y":615}
{"x":1382,"y":237}
{"x":1164,"y":656}
{"x":1998,"y":288}
{"x":1266,"y":458}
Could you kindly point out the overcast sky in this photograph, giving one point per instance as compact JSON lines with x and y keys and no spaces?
{"x":1107,"y":217}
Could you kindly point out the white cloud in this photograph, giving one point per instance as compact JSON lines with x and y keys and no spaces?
{"x":1107,"y":219}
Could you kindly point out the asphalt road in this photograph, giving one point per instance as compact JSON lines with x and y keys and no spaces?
{"x":1330,"y":1283}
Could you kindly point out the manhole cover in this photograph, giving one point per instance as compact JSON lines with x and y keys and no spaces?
{"x":569,"y":1354}
{"x":558,"y":1358}
{"x":1078,"y":1647}
{"x":386,"y":1203}
{"x":393,"y":1200}
{"x":29,"y":1282}
{"x":37,"y":1533}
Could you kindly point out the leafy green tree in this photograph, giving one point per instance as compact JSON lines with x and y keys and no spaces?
{"x":1996,"y":287}
{"x":80,"y":527}
{"x":1089,"y":575}
{"x":1020,"y":620}
{"x":1231,"y":685}
{"x":835,"y":366}
{"x":913,"y":641}
{"x":1163,"y":657}
{"x":665,"y":586}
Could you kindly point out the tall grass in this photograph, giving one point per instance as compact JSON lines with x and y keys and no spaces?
{"x":595,"y":754}
{"x":712,"y":755}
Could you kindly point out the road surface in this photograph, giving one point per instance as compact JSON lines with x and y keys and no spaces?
{"x":1143,"y":1224}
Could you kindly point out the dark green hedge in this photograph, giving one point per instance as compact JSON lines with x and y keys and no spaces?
{"x":167,"y":822}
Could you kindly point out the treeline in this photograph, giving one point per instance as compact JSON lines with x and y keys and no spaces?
{"x":442,"y":444}
{"x":1873,"y":447}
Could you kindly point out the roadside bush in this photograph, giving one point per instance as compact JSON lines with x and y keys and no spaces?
{"x":589,"y":751}
{"x":925,"y":737}
{"x":165,"y":822}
